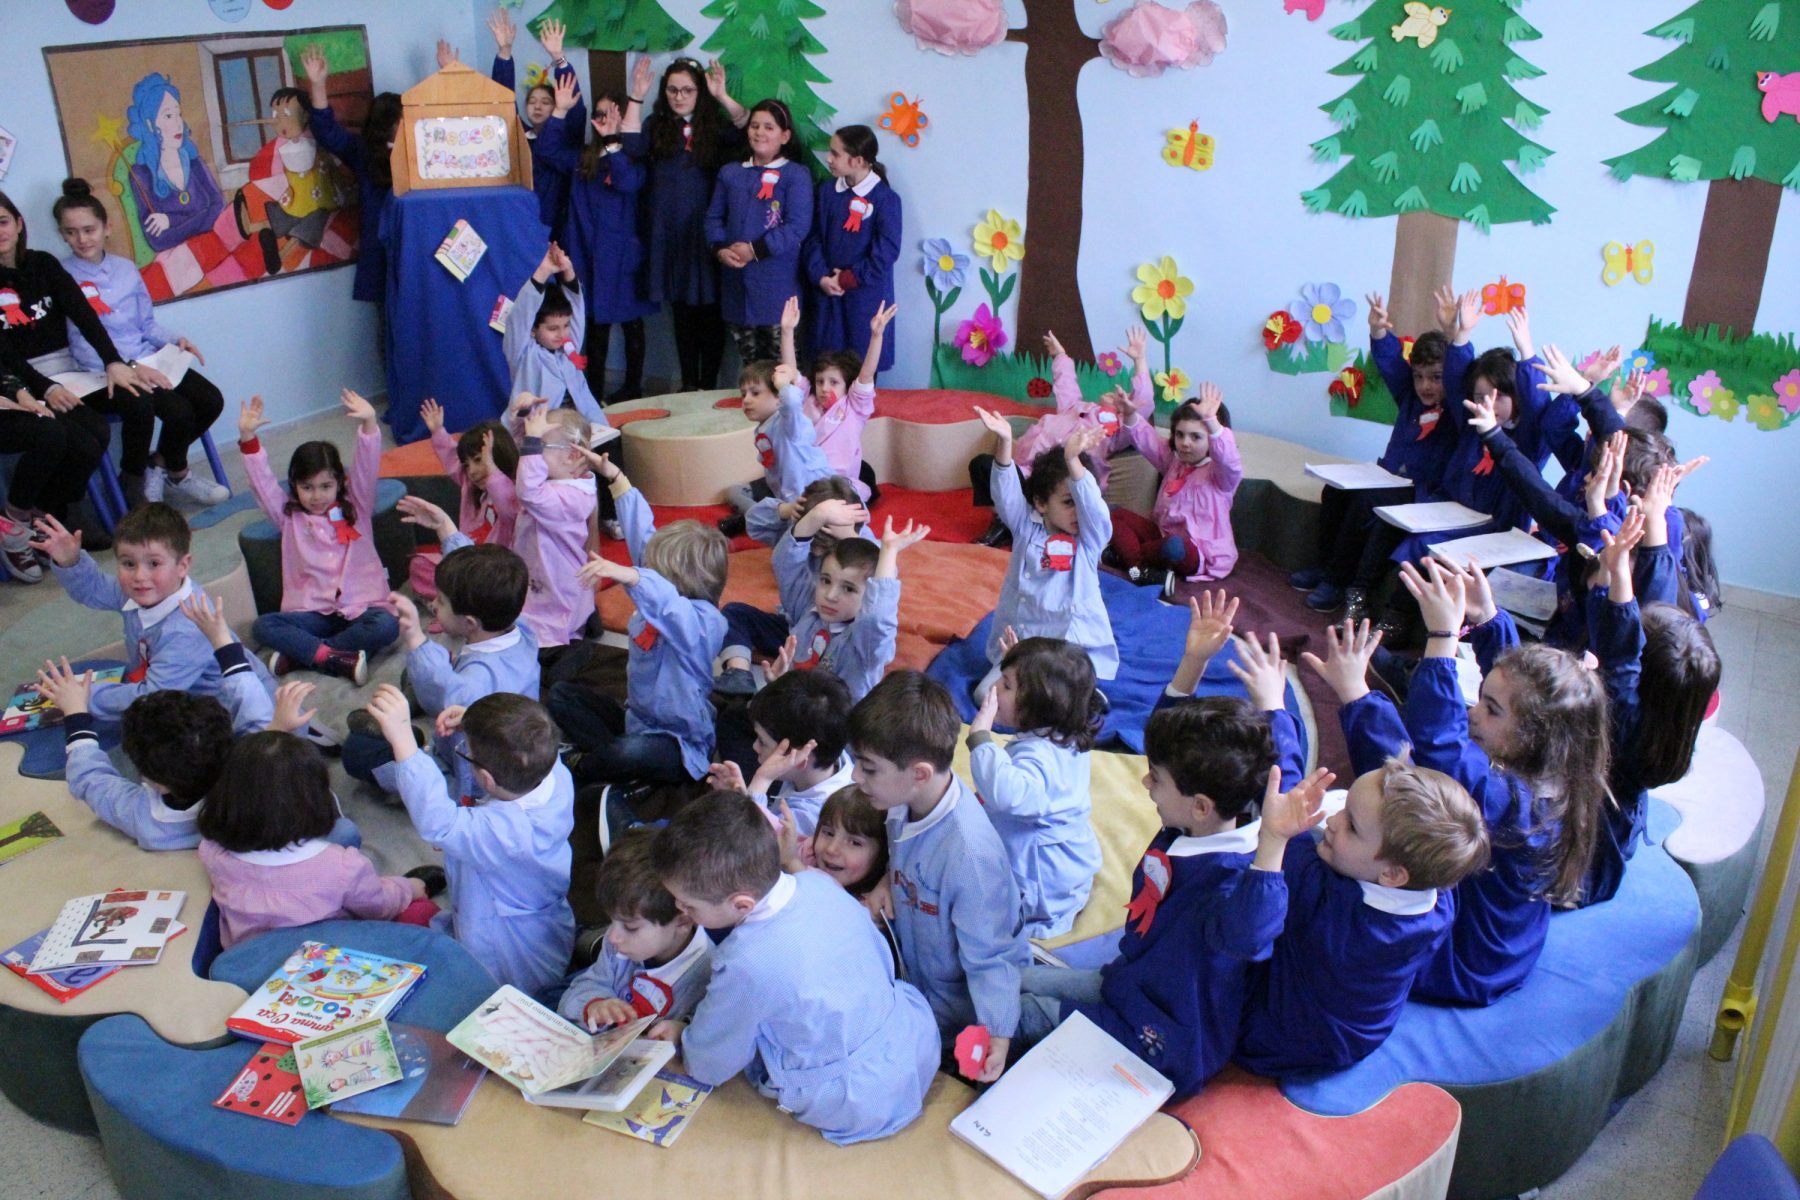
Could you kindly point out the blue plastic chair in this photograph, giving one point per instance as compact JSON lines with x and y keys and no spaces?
{"x":1750,"y":1167}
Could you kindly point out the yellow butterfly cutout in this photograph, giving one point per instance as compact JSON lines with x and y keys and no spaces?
{"x":1189,"y":148}
{"x":1621,"y":260}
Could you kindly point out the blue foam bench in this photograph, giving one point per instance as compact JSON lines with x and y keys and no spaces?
{"x":1538,"y":1072}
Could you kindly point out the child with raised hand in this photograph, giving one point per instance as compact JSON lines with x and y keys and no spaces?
{"x":542,"y":100}
{"x":507,"y":857}
{"x":954,"y":904}
{"x":1188,"y":533}
{"x":1210,"y":615}
{"x":1369,"y":900}
{"x":165,"y":651}
{"x":483,"y":461}
{"x":802,"y":998}
{"x":801,"y":725}
{"x":1533,"y":752}
{"x":847,"y":617}
{"x":557,"y":499}
{"x":653,"y":961}
{"x":664,"y":731}
{"x":542,"y":338}
{"x":1035,"y":788}
{"x":787,"y":444}
{"x":1060,"y":526}
{"x":838,"y":412}
{"x":1354,"y":544}
{"x":265,"y":832}
{"x":849,"y":843}
{"x":334,"y":590}
{"x":1660,"y":670}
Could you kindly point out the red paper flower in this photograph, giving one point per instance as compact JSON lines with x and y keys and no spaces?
{"x":1406,"y":345}
{"x":1280,"y":330}
{"x":1348,"y":385}
{"x":1038,"y":388}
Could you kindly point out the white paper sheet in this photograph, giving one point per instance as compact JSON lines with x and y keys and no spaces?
{"x":1431,"y":518}
{"x":1493,"y":549}
{"x":1523,"y":595}
{"x":1357,"y":476}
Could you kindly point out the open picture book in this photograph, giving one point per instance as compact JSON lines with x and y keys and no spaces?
{"x":535,"y":1050}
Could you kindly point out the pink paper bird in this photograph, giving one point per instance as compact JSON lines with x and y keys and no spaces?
{"x":1314,"y":9}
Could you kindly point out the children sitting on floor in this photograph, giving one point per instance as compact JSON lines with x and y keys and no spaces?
{"x":849,"y":843}
{"x":840,"y":413}
{"x":654,"y":962}
{"x":787,"y":444}
{"x":1060,"y":526}
{"x":334,"y":590}
{"x":803,"y":999}
{"x":801,"y":725}
{"x":483,"y":463}
{"x":664,"y":732}
{"x":1035,"y":788}
{"x":507,"y":857}
{"x":1188,"y":533}
{"x":264,"y":833}
{"x":557,"y":501}
{"x":542,"y":339}
{"x":163,"y":649}
{"x":954,"y":901}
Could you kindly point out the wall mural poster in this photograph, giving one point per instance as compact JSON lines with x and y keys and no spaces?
{"x":200,"y":148}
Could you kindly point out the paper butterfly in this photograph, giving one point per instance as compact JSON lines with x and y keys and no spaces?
{"x":1189,"y":148}
{"x":905,"y":118}
{"x":1502,"y":297}
{"x":1623,"y":260}
{"x":1421,"y":22}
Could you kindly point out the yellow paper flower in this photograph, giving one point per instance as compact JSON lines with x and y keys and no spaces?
{"x":1764,"y":412}
{"x":1163,"y":289}
{"x":999,"y":240}
{"x":1174,"y":384}
{"x":1725,"y":404}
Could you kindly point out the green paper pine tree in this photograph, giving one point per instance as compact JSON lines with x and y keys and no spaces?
{"x":1713,"y":129}
{"x":1435,"y":134}
{"x":768,"y":50}
{"x":609,"y":29}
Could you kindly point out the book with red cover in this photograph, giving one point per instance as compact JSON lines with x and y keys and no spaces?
{"x":64,"y":985}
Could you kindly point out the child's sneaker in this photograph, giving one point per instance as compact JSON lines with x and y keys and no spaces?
{"x":154,"y":480}
{"x":279,"y":663}
{"x":200,"y":492}
{"x":1150,"y":576}
{"x":733,"y":526}
{"x":1325,"y":597}
{"x":433,"y":877}
{"x":1307,"y":579}
{"x":21,"y":560}
{"x":318,"y":737}
{"x":348,"y":664}
{"x":736,"y":681}
{"x":1169,"y":583}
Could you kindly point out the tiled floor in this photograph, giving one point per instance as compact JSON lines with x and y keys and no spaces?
{"x":1658,"y":1145}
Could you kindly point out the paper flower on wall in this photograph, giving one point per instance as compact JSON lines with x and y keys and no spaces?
{"x":1656,"y":383}
{"x":1038,"y":388}
{"x":942,"y":266}
{"x":1280,"y":330}
{"x":1322,"y":311}
{"x":1640,"y":360}
{"x":1725,"y":404}
{"x":1763,"y":412}
{"x":1174,"y":384}
{"x":1148,"y":38}
{"x":953,"y":26}
{"x":1348,"y":385}
{"x":1704,"y":390}
{"x":1109,"y":363}
{"x":999,"y":240}
{"x":981,"y":337}
{"x":1162,"y":288}
{"x":1787,"y":391}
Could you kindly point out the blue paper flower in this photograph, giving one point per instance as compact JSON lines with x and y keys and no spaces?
{"x":1640,"y":360}
{"x":1322,"y":311}
{"x":941,"y":265}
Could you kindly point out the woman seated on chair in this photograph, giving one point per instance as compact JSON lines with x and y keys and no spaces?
{"x":185,"y":401}
{"x":61,"y":434}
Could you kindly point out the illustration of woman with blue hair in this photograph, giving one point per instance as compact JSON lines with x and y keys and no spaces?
{"x":177,"y":196}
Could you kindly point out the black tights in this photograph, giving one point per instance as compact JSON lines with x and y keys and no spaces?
{"x":699,"y":344}
{"x":56,"y":456}
{"x":599,"y":341}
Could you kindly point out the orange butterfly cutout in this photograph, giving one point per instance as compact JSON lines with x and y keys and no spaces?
{"x":905,"y":118}
{"x":1502,"y":297}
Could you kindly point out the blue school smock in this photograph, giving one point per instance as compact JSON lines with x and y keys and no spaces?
{"x":673,"y":644}
{"x":803,"y":1001}
{"x":1037,"y":795}
{"x":1199,"y":915}
{"x":679,"y":266}
{"x":549,"y":180}
{"x":602,"y":228}
{"x":671,"y":991}
{"x":774,"y":225}
{"x":858,"y":651}
{"x":1052,"y":586}
{"x":539,"y":370}
{"x":868,"y":252}
{"x":508,"y":864}
{"x":371,"y":255}
{"x":1420,"y":459}
{"x":787,"y":446}
{"x":1616,"y":636}
{"x":1347,"y":955}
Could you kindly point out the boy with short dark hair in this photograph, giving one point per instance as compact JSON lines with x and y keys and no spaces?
{"x":653,"y":961}
{"x":543,"y":335}
{"x":507,"y":857}
{"x":802,"y":998}
{"x":956,"y":905}
{"x":801,"y":722}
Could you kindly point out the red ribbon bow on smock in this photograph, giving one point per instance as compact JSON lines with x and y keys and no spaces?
{"x":346,"y":532}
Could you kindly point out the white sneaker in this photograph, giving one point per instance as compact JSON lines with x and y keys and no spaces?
{"x":154,"y":479}
{"x":194,"y":489}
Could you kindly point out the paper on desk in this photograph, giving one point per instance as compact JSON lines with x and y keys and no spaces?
{"x":1431,"y":518}
{"x":1357,"y":476}
{"x":1523,"y":595}
{"x":1493,"y":549}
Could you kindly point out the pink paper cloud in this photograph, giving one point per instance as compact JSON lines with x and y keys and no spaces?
{"x":953,"y":26}
{"x":1148,"y":38}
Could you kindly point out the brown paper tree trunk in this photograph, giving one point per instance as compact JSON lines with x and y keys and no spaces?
{"x":1736,"y":234}
{"x":606,"y":73}
{"x":1049,"y":289}
{"x":1424,"y":260}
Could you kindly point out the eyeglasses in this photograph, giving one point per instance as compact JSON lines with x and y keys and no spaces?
{"x":682,"y":91}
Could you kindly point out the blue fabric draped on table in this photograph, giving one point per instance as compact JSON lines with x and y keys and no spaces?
{"x":439,"y":343}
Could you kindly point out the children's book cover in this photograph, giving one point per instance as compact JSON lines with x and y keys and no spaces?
{"x":63,"y":985}
{"x":462,"y":248}
{"x":660,"y":1112}
{"x":25,"y":835}
{"x":268,"y":1087}
{"x":437,"y":1081}
{"x":124,"y":928}
{"x":348,"y":1062}
{"x":618,"y":1085}
{"x":26,"y":710}
{"x":321,"y":989}
{"x":534,"y":1049}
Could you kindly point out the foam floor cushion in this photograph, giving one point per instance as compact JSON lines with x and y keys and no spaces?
{"x":1150,"y":635}
{"x":1257,"y":1145}
{"x":451,"y":988}
{"x":163,"y":1137}
{"x":1537,"y":1071}
{"x":1722,"y":804}
{"x":945,"y":590}
{"x":260,"y":544}
{"x":742,"y":1146}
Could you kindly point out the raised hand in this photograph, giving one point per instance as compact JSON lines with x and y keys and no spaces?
{"x":357,"y":409}
{"x":412,"y":630}
{"x":1262,"y":672}
{"x":1081,"y":442}
{"x":1445,"y":298}
{"x":1481,"y":413}
{"x":1209,"y":624}
{"x":1286,"y":816}
{"x":487,"y":453}
{"x":449,"y":720}
{"x":312,"y":59}
{"x":432,"y":413}
{"x":208,"y":616}
{"x":1561,"y":378}
{"x":715,"y":81}
{"x":910,"y":534}
{"x":996,"y":424}
{"x":1615,"y":552}
{"x":59,"y":683}
{"x":446,"y":53}
{"x":643,"y":75}
{"x":567,"y":90}
{"x":884,"y":313}
{"x":291,"y":713}
{"x":783,"y":376}
{"x":1345,"y":667}
{"x":990,"y":709}
{"x":1626,"y":392}
{"x":1380,"y":324}
{"x":783,"y":662}
{"x":790,"y":313}
{"x":600,"y":464}
{"x":550,"y":33}
{"x":793,"y":861}
{"x":1518,"y":323}
{"x":504,"y":31}
{"x":560,"y":260}
{"x":416,"y":510}
{"x":1009,"y":637}
{"x":1468,"y":315}
{"x":1604,"y":481}
{"x":1137,"y":342}
{"x":598,"y":569}
{"x":1604,"y":367}
{"x":1052,"y":347}
{"x":725,"y":777}
{"x":394,"y":715}
{"x":62,"y":545}
{"x":250,"y":418}
{"x":1442,"y":595}
{"x":537,"y":420}
{"x":1211,"y":397}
